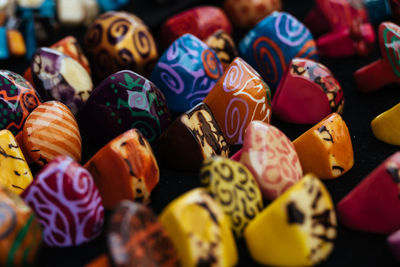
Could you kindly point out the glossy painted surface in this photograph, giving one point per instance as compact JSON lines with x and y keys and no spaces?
{"x":192,"y":138}
{"x":247,"y":13}
{"x":17,"y":99}
{"x":60,"y":77}
{"x":135,"y":237}
{"x":239,"y":97}
{"x":271,"y":158}
{"x":332,"y":152}
{"x":224,"y":47}
{"x":200,"y":230}
{"x":67,"y":203}
{"x":186,"y":72}
{"x":200,"y":21}
{"x":374,"y":204}
{"x":274,"y":42}
{"x":70,"y":46}
{"x":124,"y":169}
{"x":119,"y":41}
{"x":233,"y":186}
{"x":297,"y":229}
{"x":49,"y":131}
{"x":20,"y":231}
{"x":123,"y":101}
{"x":15,"y":173}
{"x":386,"y":126}
{"x":307,"y":93}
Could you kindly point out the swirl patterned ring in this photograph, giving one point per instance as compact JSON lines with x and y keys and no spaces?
{"x":269,"y":58}
{"x":82,"y":183}
{"x":8,"y":220}
{"x":232,"y":115}
{"x":228,"y":177}
{"x":117,"y":30}
{"x":210,"y":64}
{"x":290,"y":31}
{"x":225,"y":196}
{"x":126,"y":59}
{"x":67,"y":205}
{"x":251,"y":194}
{"x":94,"y":36}
{"x":142,"y":42}
{"x":249,"y":212}
{"x":171,"y":78}
{"x":244,"y":174}
{"x":236,"y":220}
{"x":138,"y":100}
{"x":244,"y":191}
{"x":233,"y":78}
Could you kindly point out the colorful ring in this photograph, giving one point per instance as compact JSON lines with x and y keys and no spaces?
{"x":123,"y":101}
{"x":272,"y":43}
{"x":307,"y":93}
{"x":186,"y":72}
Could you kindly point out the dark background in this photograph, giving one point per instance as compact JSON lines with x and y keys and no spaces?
{"x":351,"y":248}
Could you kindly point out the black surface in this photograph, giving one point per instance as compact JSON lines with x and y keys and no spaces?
{"x":351,"y":248}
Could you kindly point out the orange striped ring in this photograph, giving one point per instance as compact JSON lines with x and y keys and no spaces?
{"x":51,"y":130}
